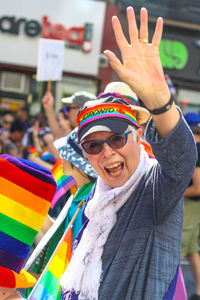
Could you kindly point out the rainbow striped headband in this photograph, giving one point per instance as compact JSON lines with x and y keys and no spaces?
{"x":106,"y":110}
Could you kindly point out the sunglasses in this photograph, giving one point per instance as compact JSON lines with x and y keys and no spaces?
{"x":115,"y":141}
{"x":7,"y":122}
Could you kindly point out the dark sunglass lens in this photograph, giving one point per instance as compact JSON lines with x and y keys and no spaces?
{"x":117,"y":140}
{"x":7,"y":122}
{"x":93,"y":147}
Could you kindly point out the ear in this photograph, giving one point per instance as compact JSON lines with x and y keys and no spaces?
{"x":139,"y":134}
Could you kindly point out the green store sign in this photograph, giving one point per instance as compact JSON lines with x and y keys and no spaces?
{"x":173,"y":54}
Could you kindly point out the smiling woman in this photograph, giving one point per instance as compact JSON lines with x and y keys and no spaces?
{"x":129,"y":245}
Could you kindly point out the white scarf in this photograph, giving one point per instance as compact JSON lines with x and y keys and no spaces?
{"x":83,"y":274}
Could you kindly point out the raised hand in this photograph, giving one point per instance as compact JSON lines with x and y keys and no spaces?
{"x":141,"y":67}
{"x":36,"y":128}
{"x":48,"y":101}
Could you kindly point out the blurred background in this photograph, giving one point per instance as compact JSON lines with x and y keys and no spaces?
{"x":85,"y":27}
{"x":23,"y":23}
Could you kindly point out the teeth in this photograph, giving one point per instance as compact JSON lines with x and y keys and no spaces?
{"x":116,"y":173}
{"x":113,"y":166}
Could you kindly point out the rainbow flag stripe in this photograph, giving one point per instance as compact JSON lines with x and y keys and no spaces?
{"x":64,"y":182}
{"x":106,"y":110}
{"x":49,"y":286}
{"x":45,"y":155}
{"x":147,"y":148}
{"x":21,"y":220}
{"x":32,"y":150}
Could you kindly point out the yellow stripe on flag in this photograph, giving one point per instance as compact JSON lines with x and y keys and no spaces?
{"x":21,"y":196}
{"x":20,"y":213}
{"x":58,"y":265}
{"x":58,"y":175}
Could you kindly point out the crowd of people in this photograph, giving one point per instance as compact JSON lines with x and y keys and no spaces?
{"x":25,"y":137}
{"x":133,"y":157}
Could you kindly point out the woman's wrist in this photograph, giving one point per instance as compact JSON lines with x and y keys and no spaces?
{"x":162,"y":109}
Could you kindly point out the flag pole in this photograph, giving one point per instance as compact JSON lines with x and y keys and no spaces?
{"x":48,"y":235}
{"x":57,"y":247}
{"x":49,"y":85}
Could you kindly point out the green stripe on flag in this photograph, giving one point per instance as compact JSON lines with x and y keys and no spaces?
{"x":51,"y":284}
{"x":17,"y":230}
{"x":61,"y":179}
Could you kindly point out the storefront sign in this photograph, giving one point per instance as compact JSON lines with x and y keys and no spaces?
{"x":79,"y":23}
{"x":32,"y":28}
{"x":173,"y":54}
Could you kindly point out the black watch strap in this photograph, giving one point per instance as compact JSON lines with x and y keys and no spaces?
{"x":163,"y":109}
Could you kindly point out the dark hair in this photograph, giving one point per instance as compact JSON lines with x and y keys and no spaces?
{"x":7,"y":112}
{"x":24,"y":108}
{"x":17,"y":125}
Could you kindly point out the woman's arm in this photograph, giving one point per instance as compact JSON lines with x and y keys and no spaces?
{"x":141,"y":68}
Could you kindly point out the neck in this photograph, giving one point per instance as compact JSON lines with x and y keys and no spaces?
{"x":81,"y":178}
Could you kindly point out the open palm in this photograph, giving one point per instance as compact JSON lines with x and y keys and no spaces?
{"x":141,"y":67}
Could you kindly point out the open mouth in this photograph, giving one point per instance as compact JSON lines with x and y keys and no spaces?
{"x":114,"y":169}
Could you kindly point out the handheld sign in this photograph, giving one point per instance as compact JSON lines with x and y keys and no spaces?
{"x":50,"y":60}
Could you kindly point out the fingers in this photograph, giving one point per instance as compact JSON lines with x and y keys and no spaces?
{"x":119,"y":36}
{"x":158,"y":32}
{"x":132,"y":26}
{"x":143,"y":24}
{"x":114,"y":61}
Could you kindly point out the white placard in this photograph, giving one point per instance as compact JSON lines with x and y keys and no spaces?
{"x":50,"y":60}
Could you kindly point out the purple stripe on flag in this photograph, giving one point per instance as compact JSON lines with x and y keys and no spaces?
{"x":31,"y":168}
{"x":68,"y":180}
{"x":61,"y":192}
{"x":14,"y":246}
{"x":11,"y":261}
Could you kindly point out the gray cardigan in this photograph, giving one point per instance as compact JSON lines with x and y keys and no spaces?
{"x":142,"y":253}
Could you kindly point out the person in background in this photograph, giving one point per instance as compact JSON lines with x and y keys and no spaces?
{"x":130,"y":242}
{"x":23,"y":115}
{"x":75,"y":102}
{"x":7,"y":120}
{"x":11,"y":149}
{"x":63,"y":120}
{"x":4,"y":136}
{"x":39,"y":151}
{"x":59,"y":126}
{"x":77,"y":166}
{"x":16,"y":136}
{"x":42,"y":129}
{"x":191,"y":225}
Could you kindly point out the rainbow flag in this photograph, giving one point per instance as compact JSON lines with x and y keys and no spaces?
{"x":49,"y":286}
{"x":32,"y":150}
{"x":64,"y":182}
{"x":26,"y":191}
{"x":147,"y":148}
{"x":45,"y":155}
